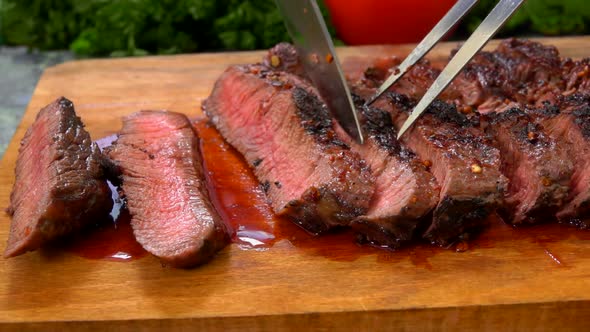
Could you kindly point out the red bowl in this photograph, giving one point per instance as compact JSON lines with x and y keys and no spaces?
{"x":359,"y":22}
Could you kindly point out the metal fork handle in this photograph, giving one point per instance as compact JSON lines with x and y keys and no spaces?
{"x":490,"y":25}
{"x":451,"y":18}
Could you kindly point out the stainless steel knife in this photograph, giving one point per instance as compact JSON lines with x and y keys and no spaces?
{"x":307,"y":28}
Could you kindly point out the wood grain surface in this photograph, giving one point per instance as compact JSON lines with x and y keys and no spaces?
{"x":511,"y":286}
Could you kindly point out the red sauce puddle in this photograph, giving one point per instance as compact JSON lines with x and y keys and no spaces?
{"x":110,"y":239}
{"x":238,"y":197}
{"x":235,"y":192}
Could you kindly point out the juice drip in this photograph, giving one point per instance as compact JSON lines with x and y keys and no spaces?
{"x":235,"y":192}
{"x":110,"y":240}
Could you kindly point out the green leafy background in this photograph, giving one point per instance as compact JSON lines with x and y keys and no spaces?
{"x":139,"y":27}
{"x":543,"y":17}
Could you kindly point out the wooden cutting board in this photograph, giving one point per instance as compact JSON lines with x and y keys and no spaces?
{"x":513,"y":284}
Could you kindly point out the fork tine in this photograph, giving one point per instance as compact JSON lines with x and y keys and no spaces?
{"x":451,"y":18}
{"x":490,"y":25}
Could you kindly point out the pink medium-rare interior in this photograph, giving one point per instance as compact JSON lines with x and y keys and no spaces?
{"x":261,"y":137}
{"x":524,"y":188}
{"x":165,"y":202}
{"x":35,"y":152}
{"x":564,"y":126}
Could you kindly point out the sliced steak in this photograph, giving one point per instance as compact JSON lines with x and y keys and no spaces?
{"x":172,"y":217}
{"x":286,"y":134}
{"x":60,"y":185}
{"x":465,"y":165}
{"x":539,"y":168}
{"x":518,"y":70}
{"x":522,"y":73}
{"x":570,"y":122}
{"x":405,"y":192}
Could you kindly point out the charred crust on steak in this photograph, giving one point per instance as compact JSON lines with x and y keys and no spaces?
{"x":576,"y":99}
{"x":443,"y":111}
{"x":447,"y":112}
{"x":582,"y":119}
{"x":388,"y":233}
{"x":325,"y":206}
{"x":378,"y":125}
{"x":549,"y":109}
{"x":403,"y":102}
{"x":543,"y":55}
{"x":454,"y":217}
{"x":66,"y":103}
{"x":524,"y":128}
{"x":509,"y":115}
{"x":315,"y":118}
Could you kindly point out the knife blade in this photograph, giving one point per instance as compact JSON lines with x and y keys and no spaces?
{"x":310,"y":36}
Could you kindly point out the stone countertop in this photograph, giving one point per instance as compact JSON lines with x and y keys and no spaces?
{"x":19,"y":72}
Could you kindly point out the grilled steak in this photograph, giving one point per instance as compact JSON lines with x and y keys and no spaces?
{"x":276,"y":121}
{"x":405,"y":192}
{"x":537,"y":163}
{"x":539,"y":168}
{"x":59,"y":185}
{"x":518,"y":70}
{"x":163,"y":182}
{"x":569,"y":122}
{"x":466,"y":167}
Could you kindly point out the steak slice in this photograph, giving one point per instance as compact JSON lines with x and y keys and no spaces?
{"x":518,"y":70}
{"x":539,"y":168}
{"x":515,"y":74}
{"x":538,"y":164}
{"x":465,"y":165}
{"x":570,"y":122}
{"x":405,"y":192}
{"x":172,"y":217}
{"x":276,"y":121}
{"x":59,"y":185}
